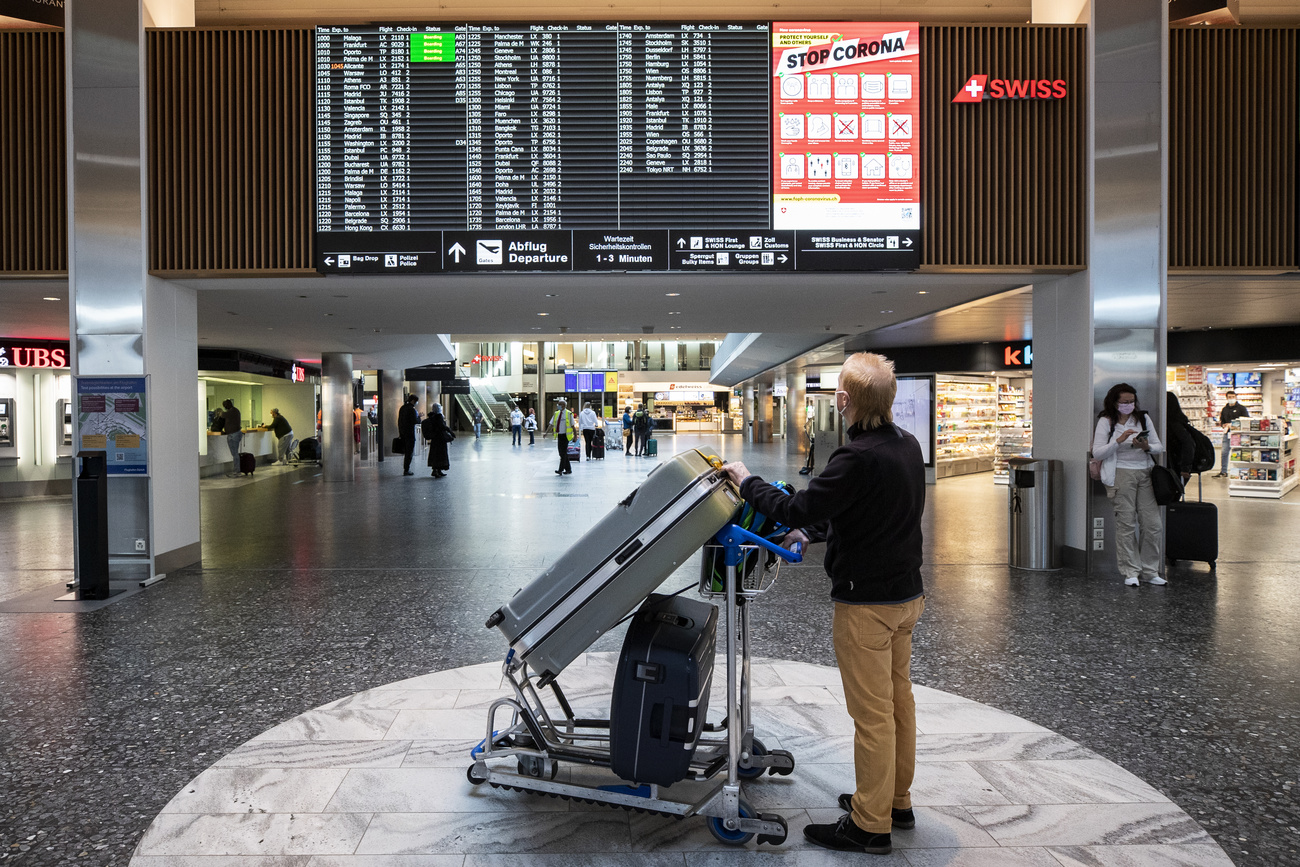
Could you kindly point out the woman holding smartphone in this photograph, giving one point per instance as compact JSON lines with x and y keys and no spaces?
{"x":1124,"y":441}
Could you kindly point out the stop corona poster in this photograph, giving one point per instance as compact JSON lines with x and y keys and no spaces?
{"x":846,"y":107}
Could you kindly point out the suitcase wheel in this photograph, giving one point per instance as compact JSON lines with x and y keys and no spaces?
{"x":531,"y":766}
{"x":723,"y":834}
{"x":473,"y":778}
{"x":1211,"y":565}
{"x":773,"y":838}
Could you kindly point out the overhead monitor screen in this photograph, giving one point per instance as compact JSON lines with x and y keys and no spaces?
{"x":611,"y":147}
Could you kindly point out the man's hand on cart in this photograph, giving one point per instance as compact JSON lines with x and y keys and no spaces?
{"x":736,"y":471}
{"x":796,"y":540}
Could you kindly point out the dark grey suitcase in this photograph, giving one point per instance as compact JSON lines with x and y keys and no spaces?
{"x":617,"y":563}
{"x":661,"y":689}
{"x":1192,"y":531}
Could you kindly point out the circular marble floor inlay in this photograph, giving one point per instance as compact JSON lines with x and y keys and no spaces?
{"x":378,"y":778}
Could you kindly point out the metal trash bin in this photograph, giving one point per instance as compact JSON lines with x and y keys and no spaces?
{"x":1033,"y":539}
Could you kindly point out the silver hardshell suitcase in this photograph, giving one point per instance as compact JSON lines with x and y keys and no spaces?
{"x":617,"y":563}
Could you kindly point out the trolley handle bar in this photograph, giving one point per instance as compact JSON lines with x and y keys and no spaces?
{"x":731,"y":537}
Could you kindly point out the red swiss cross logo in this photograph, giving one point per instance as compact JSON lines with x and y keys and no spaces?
{"x":973,"y":90}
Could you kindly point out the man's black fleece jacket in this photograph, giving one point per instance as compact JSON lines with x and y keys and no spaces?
{"x":867,"y":506}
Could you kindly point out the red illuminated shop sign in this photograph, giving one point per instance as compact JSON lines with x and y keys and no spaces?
{"x":482,"y":358}
{"x":979,"y":88}
{"x":297,"y":374}
{"x":33,"y":353}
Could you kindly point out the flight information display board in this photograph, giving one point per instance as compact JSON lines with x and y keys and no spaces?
{"x":558,"y":147}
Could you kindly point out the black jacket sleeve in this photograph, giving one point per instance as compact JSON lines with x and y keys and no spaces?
{"x":811,"y":509}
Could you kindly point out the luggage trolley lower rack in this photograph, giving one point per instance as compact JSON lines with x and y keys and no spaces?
{"x":540,"y":740}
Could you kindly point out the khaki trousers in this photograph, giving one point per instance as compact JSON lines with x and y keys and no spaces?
{"x":1137,"y":523}
{"x":873,"y":645}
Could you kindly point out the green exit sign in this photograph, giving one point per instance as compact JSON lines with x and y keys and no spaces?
{"x":433,"y":47}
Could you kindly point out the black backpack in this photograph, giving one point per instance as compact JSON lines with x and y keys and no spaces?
{"x":1203,"y":452}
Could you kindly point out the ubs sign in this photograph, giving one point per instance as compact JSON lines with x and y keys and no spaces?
{"x":34,"y":353}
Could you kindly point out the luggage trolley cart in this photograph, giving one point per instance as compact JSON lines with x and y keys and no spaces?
{"x":539,"y":740}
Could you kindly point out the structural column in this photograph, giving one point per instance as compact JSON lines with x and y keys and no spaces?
{"x":337,"y":459}
{"x":123,"y":322}
{"x":391,"y":396}
{"x":796,"y":414}
{"x":1107,"y":325}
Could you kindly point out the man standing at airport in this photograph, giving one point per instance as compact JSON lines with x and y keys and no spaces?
{"x":233,"y":427}
{"x":516,"y":427}
{"x":407,"y":419}
{"x":1231,"y":410}
{"x":866,"y":506}
{"x":283,"y":433}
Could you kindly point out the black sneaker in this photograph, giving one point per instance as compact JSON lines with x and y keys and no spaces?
{"x":904,"y":820}
{"x":844,"y":836}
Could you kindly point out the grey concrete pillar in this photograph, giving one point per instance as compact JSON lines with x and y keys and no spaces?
{"x":747,"y":410}
{"x":796,"y":414}
{"x":391,"y":395}
{"x":1107,"y":324}
{"x":337,"y":457}
{"x":541,"y":384}
{"x":124,"y":323}
{"x":762,"y":413}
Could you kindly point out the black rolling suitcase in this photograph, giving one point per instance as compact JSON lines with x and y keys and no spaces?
{"x":661,"y":689}
{"x":1192,"y":530}
{"x":247,"y":463}
{"x":309,"y":449}
{"x":598,"y":445}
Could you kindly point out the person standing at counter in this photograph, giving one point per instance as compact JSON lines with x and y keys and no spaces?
{"x":283,"y":433}
{"x":407,"y":418}
{"x":232,"y":427}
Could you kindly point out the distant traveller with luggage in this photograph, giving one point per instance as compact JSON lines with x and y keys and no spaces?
{"x":530,"y":425}
{"x":1124,"y":441}
{"x":406,"y":422}
{"x":587,"y":424}
{"x":562,"y":424}
{"x":1181,"y":449}
{"x":232,"y":426}
{"x":641,"y":425}
{"x":627,"y":431}
{"x":434,"y":429}
{"x":1231,"y":410}
{"x":283,"y":433}
{"x":866,"y":506}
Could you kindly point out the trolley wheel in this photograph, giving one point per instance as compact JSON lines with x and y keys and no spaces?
{"x":1211,"y":565}
{"x":531,"y":766}
{"x":784,"y":768}
{"x":755,"y":749}
{"x":474,"y":779}
{"x":773,"y":838}
{"x":723,"y":834}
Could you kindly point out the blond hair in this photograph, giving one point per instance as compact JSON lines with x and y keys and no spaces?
{"x":868,"y":380}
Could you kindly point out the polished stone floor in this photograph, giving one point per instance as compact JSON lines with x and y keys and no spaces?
{"x":310,"y":593}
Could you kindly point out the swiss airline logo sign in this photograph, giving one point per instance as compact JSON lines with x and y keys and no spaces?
{"x":978,"y":88}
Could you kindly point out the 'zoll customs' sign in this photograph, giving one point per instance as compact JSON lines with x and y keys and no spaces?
{"x":33,"y":353}
{"x":979,"y":88}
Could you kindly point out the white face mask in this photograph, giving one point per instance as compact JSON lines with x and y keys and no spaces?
{"x":1126,"y":408}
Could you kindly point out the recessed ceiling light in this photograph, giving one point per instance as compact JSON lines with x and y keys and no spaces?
{"x":674,"y":313}
{"x":543,"y":314}
{"x":922,"y":292}
{"x":886,"y":311}
{"x":52,"y":298}
{"x":672,"y":294}
{"x":552,"y":295}
{"x":537,"y":328}
{"x":674,"y":326}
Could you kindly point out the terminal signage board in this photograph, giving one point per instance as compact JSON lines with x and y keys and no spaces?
{"x":846,"y":102}
{"x":610,"y":146}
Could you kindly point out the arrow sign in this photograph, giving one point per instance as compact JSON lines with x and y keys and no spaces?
{"x":681,"y":242}
{"x":329,"y":260}
{"x":784,"y":258}
{"x":457,"y":251}
{"x":907,"y":242}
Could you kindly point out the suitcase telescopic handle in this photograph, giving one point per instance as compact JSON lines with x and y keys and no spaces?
{"x":731,"y":537}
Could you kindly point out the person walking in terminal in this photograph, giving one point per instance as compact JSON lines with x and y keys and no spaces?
{"x":587,"y":423}
{"x":435,"y":430}
{"x":1124,"y":441}
{"x":562,"y":424}
{"x":1231,"y":410}
{"x":406,"y":421}
{"x":478,"y":422}
{"x":627,"y":431}
{"x":232,"y":427}
{"x":530,"y":425}
{"x":516,"y":427}
{"x":641,"y":427}
{"x":283,"y":433}
{"x":866,"y":506}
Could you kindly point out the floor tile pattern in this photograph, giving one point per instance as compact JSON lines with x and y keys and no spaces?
{"x":379,"y":778}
